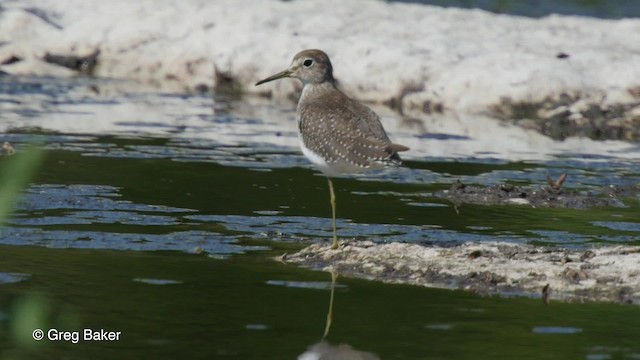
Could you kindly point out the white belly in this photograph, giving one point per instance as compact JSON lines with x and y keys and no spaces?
{"x":336,"y":168}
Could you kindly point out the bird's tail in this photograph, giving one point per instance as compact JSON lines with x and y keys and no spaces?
{"x":394,"y":149}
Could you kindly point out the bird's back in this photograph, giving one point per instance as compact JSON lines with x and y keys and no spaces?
{"x":347,"y":135}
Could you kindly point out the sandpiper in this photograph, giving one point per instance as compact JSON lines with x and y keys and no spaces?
{"x":337,"y":134}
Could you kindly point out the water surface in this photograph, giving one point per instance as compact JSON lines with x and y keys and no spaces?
{"x":158,"y":215}
{"x":606,"y":9}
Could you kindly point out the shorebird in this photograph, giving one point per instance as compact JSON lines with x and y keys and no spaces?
{"x":337,"y":134}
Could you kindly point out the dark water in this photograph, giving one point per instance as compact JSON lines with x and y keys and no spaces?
{"x":605,"y":9}
{"x":158,"y":216}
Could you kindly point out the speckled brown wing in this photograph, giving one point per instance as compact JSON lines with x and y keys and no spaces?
{"x":339,"y":128}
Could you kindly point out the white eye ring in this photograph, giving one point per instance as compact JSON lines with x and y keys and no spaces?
{"x":307,"y":62}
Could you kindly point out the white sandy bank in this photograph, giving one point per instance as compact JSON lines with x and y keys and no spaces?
{"x":416,"y":54}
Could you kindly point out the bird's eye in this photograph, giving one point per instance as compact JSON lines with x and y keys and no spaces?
{"x":307,"y":63}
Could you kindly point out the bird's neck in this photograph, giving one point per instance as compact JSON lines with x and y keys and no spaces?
{"x":314,"y":90}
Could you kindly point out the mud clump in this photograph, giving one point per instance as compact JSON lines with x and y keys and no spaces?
{"x":552,"y":195}
{"x":606,"y":273}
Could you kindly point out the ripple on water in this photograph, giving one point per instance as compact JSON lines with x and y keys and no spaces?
{"x":311,"y":227}
{"x":98,"y":217}
{"x":439,"y":326}
{"x":556,"y":330}
{"x":157,"y":281}
{"x":256,"y":327}
{"x":250,"y":155}
{"x":598,"y":356}
{"x":186,"y":241}
{"x":320,"y":285}
{"x":11,"y":278}
{"x":560,"y":237}
{"x":44,"y":208}
{"x":608,"y":352}
{"x":619,"y":225}
{"x":85,"y":197}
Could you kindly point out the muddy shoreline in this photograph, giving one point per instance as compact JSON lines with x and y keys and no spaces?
{"x":550,"y":195}
{"x":607,"y":273}
{"x":575,"y":114}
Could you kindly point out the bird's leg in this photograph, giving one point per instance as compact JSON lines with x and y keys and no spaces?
{"x":333,"y":212}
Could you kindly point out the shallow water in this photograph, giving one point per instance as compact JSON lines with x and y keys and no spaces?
{"x":607,"y":9}
{"x":157,"y":215}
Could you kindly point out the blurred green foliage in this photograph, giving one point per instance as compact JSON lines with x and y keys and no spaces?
{"x":27,"y":312}
{"x":15,"y":173}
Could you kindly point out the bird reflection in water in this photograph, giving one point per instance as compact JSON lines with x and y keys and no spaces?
{"x":323,"y":350}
